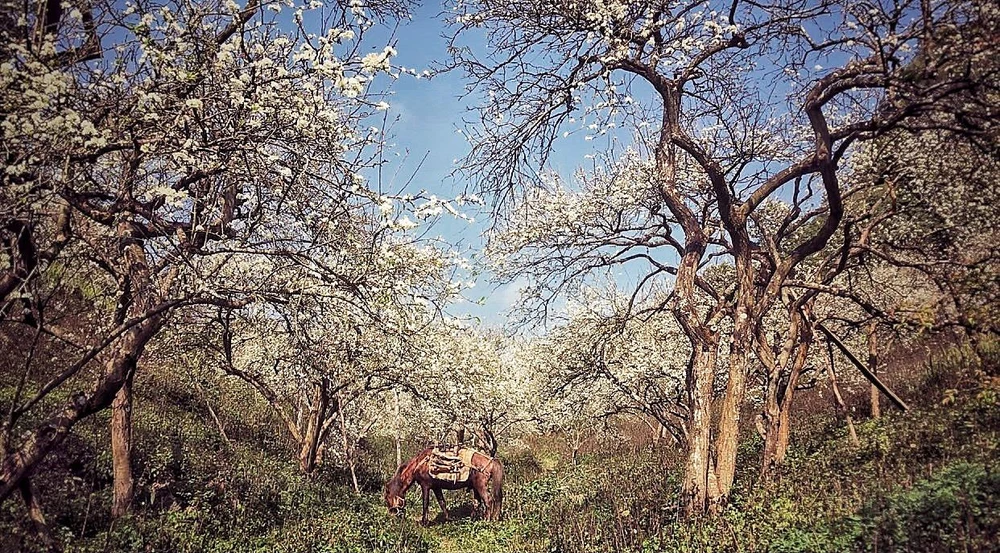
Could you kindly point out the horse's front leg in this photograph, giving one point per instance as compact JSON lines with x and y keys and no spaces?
{"x":440,"y":497}
{"x":425,"y":495}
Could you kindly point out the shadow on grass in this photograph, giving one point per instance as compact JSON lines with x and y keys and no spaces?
{"x":462,"y":512}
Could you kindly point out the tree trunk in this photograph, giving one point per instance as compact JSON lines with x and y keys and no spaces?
{"x":348,"y":449}
{"x":37,"y":517}
{"x":732,"y":402}
{"x":136,"y":295}
{"x":397,"y":437}
{"x":778,"y":413}
{"x":309,"y":448}
{"x":699,"y":473}
{"x":771,"y":417}
{"x":121,"y":450}
{"x":696,"y":489}
{"x":784,"y":425}
{"x":20,"y":462}
{"x":876,"y":410}
{"x":777,"y":432}
{"x":782,"y":379}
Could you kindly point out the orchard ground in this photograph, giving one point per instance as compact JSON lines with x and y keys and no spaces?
{"x":924,"y":480}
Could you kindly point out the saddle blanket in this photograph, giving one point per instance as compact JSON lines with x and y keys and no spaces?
{"x":450,"y":464}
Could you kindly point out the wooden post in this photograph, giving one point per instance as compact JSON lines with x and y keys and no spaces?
{"x":839,"y":399}
{"x":876,"y":410}
{"x":861,"y":367}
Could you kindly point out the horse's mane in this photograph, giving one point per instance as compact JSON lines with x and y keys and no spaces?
{"x":406,"y":470}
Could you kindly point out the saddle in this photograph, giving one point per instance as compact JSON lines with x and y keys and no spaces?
{"x":451,"y":464}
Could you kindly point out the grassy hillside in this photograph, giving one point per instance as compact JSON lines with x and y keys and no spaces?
{"x":925,"y":480}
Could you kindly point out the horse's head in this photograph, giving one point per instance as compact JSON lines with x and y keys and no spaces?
{"x":395,"y":496}
{"x":394,"y":501}
{"x":396,"y":505}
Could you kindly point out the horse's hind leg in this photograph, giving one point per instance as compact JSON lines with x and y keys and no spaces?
{"x":483,"y":499}
{"x":490,"y":504}
{"x":479,"y":501}
{"x":489,"y":501}
{"x":440,"y":497}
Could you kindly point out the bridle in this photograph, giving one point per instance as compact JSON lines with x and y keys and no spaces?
{"x":398,"y":510}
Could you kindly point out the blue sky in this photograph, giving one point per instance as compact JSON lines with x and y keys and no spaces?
{"x":429,"y":113}
{"x":426,"y":142}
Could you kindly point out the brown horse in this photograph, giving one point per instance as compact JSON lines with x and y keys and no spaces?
{"x":485,"y":480}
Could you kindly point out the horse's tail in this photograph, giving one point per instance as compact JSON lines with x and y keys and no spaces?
{"x":496,"y":487}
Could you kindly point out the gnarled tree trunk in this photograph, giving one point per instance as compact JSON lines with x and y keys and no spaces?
{"x":782,"y":369}
{"x":732,"y":401}
{"x":778,"y":409}
{"x":136,"y":294}
{"x":315,"y":427}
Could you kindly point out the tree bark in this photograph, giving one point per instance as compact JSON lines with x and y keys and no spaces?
{"x":697,"y":485}
{"x":35,"y":514}
{"x":121,"y":450}
{"x":699,"y":475}
{"x":778,"y":410}
{"x":136,"y":294}
{"x":785,"y":422}
{"x":309,"y":448}
{"x":783,"y":372}
{"x":732,"y":402}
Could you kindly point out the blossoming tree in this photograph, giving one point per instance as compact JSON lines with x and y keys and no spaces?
{"x":170,"y":156}
{"x":740,"y":103}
